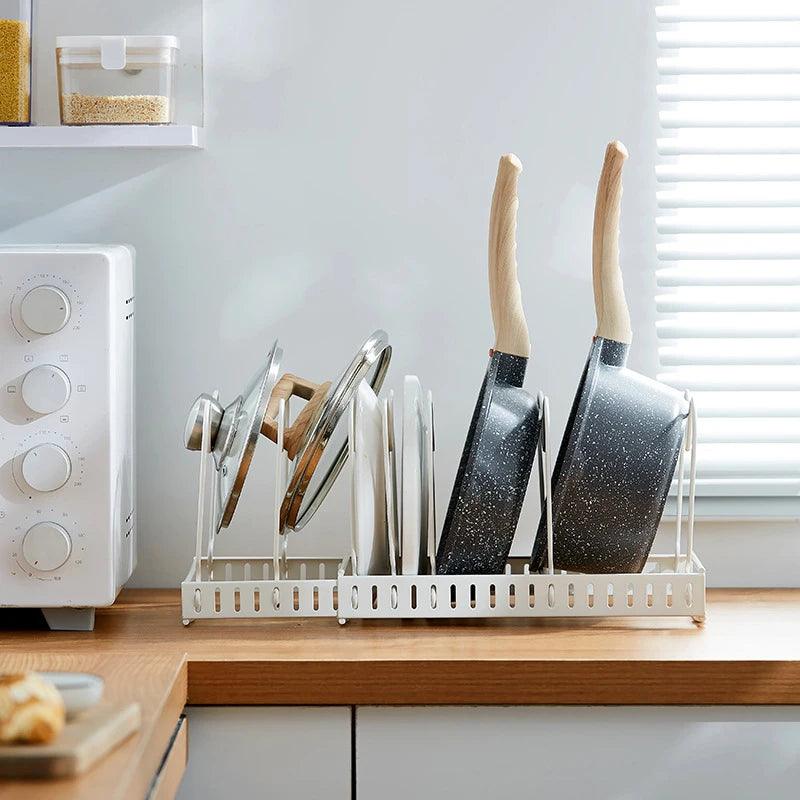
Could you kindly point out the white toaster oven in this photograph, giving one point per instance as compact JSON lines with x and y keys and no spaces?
{"x":67,"y":469}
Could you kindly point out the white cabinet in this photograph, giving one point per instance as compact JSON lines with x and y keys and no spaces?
{"x":605,"y":753}
{"x":257,"y":751}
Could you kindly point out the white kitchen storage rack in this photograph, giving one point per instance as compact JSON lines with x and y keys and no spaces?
{"x":671,"y":585}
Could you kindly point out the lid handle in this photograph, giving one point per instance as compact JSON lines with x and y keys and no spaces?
{"x":510,"y":327}
{"x":112,"y":52}
{"x":613,"y":319}
{"x":293,"y":386}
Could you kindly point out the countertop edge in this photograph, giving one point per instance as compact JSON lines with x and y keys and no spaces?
{"x":499,"y":682}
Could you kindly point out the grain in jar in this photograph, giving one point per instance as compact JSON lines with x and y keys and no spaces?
{"x":125,"y":109}
{"x":116,"y":80}
{"x":15,"y":62}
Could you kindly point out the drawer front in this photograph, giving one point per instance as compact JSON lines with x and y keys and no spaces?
{"x":286,"y":752}
{"x":603,"y":753}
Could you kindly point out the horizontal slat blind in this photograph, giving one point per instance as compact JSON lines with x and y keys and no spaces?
{"x":728,"y":224}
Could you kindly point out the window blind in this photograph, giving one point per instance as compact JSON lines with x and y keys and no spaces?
{"x":728,"y":235}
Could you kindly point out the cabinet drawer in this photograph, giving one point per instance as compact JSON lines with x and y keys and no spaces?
{"x":603,"y":753}
{"x":286,"y":753}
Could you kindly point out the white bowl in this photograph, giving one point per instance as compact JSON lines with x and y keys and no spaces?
{"x":80,"y":690}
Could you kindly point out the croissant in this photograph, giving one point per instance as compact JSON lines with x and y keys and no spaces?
{"x":31,"y":709}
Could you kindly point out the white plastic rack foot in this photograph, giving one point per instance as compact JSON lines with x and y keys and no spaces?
{"x":671,"y":585}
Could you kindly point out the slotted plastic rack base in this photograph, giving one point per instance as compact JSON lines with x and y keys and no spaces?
{"x":246,"y":588}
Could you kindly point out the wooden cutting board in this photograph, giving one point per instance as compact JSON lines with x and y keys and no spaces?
{"x":84,"y":741}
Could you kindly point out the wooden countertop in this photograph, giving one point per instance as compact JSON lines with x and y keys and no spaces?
{"x":157,"y":681}
{"x":747,"y":652}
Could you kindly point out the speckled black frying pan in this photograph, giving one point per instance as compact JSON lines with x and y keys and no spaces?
{"x":624,"y":433}
{"x":501,"y":443}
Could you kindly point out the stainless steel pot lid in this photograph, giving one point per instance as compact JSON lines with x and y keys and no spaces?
{"x":320,"y":449}
{"x":234,"y":433}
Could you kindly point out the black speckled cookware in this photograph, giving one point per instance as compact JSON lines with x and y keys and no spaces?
{"x":501,"y":443}
{"x":624,"y":433}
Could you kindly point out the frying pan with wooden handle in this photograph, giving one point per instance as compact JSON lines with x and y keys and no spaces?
{"x":623,"y":436}
{"x":501,"y":442}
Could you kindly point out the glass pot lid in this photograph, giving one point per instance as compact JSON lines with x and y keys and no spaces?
{"x":320,"y":443}
{"x":316,"y":442}
{"x":234,"y":433}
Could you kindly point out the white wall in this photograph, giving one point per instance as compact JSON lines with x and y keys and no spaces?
{"x":346,"y":184}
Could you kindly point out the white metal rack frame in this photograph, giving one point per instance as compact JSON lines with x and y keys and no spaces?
{"x":672,"y":585}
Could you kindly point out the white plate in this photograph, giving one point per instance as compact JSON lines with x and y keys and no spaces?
{"x":429,"y":479}
{"x":390,"y":471}
{"x":414,"y":517}
{"x":79,"y":689}
{"x":370,"y":535}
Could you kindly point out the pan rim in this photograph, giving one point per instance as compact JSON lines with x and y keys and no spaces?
{"x":473,"y":435}
{"x":466,"y":482}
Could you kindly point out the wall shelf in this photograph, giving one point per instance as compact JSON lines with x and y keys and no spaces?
{"x":140,"y":137}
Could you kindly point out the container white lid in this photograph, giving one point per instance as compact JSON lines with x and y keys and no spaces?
{"x":137,"y":42}
{"x":111,"y":52}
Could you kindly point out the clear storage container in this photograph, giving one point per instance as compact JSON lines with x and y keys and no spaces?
{"x":15,"y":62}
{"x":117,"y":80}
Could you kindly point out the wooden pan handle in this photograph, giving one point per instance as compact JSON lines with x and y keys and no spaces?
{"x":510,"y":327}
{"x":293,"y":386}
{"x":613,"y":319}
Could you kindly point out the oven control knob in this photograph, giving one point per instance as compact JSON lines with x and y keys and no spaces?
{"x":46,"y":467}
{"x":45,"y":389}
{"x":46,"y":546}
{"x":45,"y":309}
